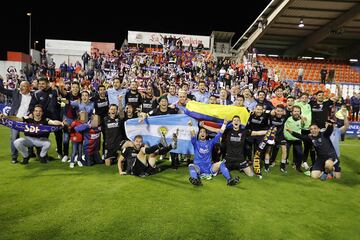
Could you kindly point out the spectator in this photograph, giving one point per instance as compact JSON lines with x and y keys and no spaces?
{"x":323,"y":73}
{"x":355,"y":106}
{"x":85,"y":58}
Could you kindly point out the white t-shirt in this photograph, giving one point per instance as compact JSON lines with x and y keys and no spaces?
{"x":24,"y":105}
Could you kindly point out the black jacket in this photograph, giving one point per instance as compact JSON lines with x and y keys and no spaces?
{"x":15,"y":95}
{"x":48,"y":99}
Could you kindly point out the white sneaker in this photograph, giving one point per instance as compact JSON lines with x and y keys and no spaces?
{"x":72,"y":165}
{"x":305,"y":165}
{"x":79,"y":163}
{"x":64,"y":159}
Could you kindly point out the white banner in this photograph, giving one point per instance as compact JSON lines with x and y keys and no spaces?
{"x":153,"y":38}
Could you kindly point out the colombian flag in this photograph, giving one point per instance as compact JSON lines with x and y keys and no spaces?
{"x":215,"y":112}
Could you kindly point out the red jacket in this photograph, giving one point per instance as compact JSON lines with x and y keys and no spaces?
{"x":75,"y":136}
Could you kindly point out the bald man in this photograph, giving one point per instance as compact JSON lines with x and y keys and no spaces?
{"x":19,"y":108}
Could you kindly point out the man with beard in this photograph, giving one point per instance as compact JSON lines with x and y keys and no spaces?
{"x":47,"y":97}
{"x":327,"y":162}
{"x":202,"y":95}
{"x":234,"y":140}
{"x":135,"y":157}
{"x":203,"y":168}
{"x":133,"y":97}
{"x":295,"y":123}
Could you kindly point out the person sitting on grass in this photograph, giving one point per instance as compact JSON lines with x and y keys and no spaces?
{"x":203,"y":166}
{"x":327,"y":162}
{"x":35,"y":138}
{"x":134,"y":156}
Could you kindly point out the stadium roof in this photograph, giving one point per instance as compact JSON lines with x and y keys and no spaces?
{"x":332,"y":29}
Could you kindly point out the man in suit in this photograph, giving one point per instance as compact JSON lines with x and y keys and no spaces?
{"x":19,"y":108}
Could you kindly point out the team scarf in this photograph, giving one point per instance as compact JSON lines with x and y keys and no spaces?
{"x":28,"y":127}
{"x":268,"y":139}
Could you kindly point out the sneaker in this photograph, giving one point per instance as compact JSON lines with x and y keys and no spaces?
{"x":43,"y":159}
{"x":14,"y":161}
{"x":195,"y":181}
{"x":65,"y":158}
{"x":233,"y":181}
{"x":307,"y":173}
{"x":330,"y":176}
{"x":283,"y":170}
{"x":267,"y":169}
{"x":299,"y":170}
{"x":323,"y":177}
{"x":206,"y":176}
{"x":79,"y":163}
{"x":305,"y":165}
{"x":154,"y":170}
{"x":32,"y":154}
{"x":25,"y":160}
{"x":163,"y":140}
{"x":59,"y":156}
{"x":72,"y":165}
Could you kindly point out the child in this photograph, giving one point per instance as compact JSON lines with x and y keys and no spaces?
{"x":91,"y":134}
{"x":76,"y":139}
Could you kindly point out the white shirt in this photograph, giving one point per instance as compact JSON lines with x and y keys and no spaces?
{"x":24,"y":105}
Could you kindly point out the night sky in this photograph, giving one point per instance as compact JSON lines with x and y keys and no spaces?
{"x":75,"y":20}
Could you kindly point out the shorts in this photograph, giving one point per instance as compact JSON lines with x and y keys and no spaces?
{"x":236,"y":165}
{"x":319,"y":165}
{"x":139,"y":169}
{"x":111,"y":152}
{"x":204,"y":170}
{"x":280,"y":142}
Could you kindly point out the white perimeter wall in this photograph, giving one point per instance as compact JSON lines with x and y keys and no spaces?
{"x":65,"y":50}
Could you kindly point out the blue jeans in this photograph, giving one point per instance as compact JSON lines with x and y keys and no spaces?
{"x":14,"y":136}
{"x":76,"y":150}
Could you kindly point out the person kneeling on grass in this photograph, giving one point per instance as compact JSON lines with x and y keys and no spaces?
{"x":203,"y":167}
{"x":327,"y":164}
{"x":134,"y":156}
{"x":35,"y":138}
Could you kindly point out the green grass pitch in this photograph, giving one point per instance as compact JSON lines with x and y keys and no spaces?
{"x":52,"y":201}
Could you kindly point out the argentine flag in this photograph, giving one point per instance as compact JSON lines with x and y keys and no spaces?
{"x":152,"y":128}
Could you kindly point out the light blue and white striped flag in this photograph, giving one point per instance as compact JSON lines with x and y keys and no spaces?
{"x":152,"y":127}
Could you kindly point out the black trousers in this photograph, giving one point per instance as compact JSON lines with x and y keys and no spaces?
{"x":59,"y":141}
{"x":297,"y":151}
{"x":308,"y":148}
{"x":355,"y":113}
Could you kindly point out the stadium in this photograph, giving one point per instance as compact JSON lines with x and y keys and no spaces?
{"x":235,"y":133}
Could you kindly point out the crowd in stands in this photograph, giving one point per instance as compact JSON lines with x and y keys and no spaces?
{"x":96,"y":96}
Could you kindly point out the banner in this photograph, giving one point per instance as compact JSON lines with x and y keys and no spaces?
{"x":27,"y":127}
{"x":153,"y":127}
{"x":152,"y":38}
{"x":215,"y":112}
{"x":354,"y":129}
